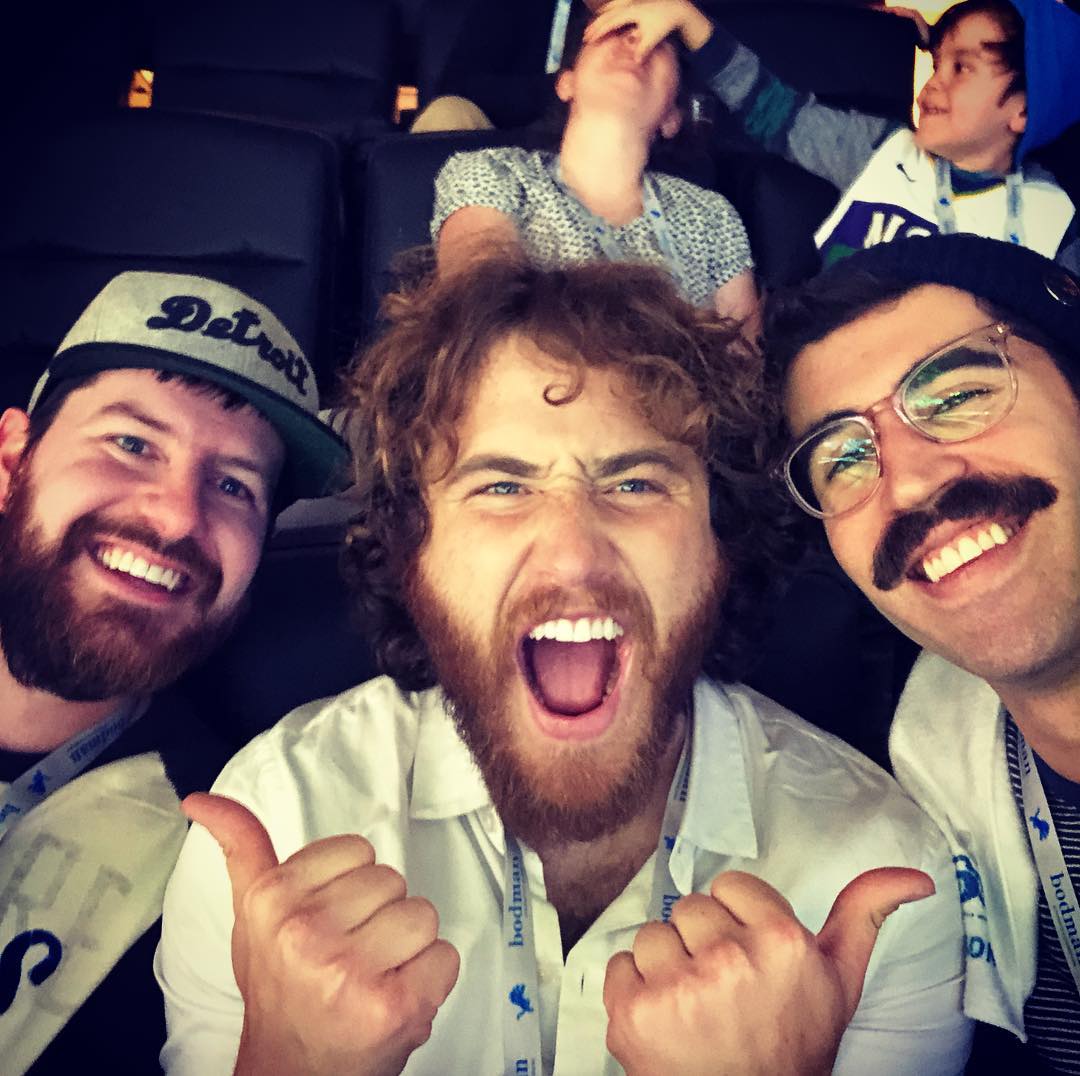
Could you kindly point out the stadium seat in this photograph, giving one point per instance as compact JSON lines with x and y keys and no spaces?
{"x":252,"y":204}
{"x":297,"y":641}
{"x":322,"y":64}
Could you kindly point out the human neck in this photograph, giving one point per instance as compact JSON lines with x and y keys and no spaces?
{"x":998,"y":161}
{"x":1049,"y":718}
{"x":602,"y":162}
{"x":34,"y":721}
{"x":583,"y":877}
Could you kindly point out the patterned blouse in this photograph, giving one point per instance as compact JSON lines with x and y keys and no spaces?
{"x":556,"y":229}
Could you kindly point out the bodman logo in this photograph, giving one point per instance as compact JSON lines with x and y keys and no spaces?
{"x":518,"y":998}
{"x":11,"y":961}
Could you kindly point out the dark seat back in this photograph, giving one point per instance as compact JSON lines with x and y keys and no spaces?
{"x":297,"y":641}
{"x":250,"y":204}
{"x":323,"y":64}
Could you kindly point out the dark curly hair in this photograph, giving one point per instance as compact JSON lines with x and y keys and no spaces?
{"x":688,"y":371}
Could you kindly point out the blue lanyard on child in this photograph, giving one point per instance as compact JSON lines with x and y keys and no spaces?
{"x":946,"y":210}
{"x":557,"y":41}
{"x":520,"y":973}
{"x":1049,"y":859}
{"x":65,"y":762}
{"x":602,"y":232}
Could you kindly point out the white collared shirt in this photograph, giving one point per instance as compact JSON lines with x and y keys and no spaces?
{"x":768,"y":793}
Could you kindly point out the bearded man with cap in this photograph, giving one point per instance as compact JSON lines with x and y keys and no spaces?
{"x":137,"y":491}
{"x":931,"y":394}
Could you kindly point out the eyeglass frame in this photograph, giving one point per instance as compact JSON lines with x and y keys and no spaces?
{"x":895,"y":400}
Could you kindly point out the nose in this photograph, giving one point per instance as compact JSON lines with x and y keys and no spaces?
{"x":172,"y":505}
{"x":914,"y":468}
{"x":572,"y":545}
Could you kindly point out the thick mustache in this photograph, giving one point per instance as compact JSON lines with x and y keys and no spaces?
{"x":205,"y":575}
{"x":967,"y":498}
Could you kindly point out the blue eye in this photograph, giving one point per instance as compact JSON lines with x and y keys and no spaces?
{"x":128,"y":442}
{"x":233,"y":487}
{"x":505,"y":488}
{"x":635,"y":485}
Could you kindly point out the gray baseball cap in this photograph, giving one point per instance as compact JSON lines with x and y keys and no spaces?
{"x":210,"y":330}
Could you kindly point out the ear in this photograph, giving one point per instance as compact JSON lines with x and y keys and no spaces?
{"x":14,"y":431}
{"x":671,"y":124}
{"x":1018,"y":120}
{"x":564,"y":86}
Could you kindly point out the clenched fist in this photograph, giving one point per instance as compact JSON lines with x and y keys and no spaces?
{"x":339,"y":970}
{"x":735,"y":984}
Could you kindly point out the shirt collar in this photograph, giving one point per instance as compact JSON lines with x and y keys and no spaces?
{"x":718,"y":815}
{"x":446,"y":781}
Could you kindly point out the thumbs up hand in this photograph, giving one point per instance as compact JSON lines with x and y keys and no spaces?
{"x":339,"y":970}
{"x":735,"y":984}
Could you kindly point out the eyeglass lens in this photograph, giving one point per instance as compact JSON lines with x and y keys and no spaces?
{"x":951,"y":396}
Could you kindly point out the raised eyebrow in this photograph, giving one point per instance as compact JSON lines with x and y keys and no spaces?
{"x":609,"y":466}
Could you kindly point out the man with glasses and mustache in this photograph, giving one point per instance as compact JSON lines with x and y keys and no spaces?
{"x":136,"y":493}
{"x":560,"y":838}
{"x":930,"y":391}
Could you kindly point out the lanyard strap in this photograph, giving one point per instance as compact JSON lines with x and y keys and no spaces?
{"x":520,"y":972}
{"x":946,"y":210}
{"x":65,"y":762}
{"x":557,"y":40}
{"x":603,"y":233}
{"x":1049,"y":859}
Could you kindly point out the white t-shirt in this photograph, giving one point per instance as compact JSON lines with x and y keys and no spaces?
{"x":768,"y":794}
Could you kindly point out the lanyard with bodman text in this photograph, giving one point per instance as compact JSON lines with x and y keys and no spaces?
{"x":65,"y":762}
{"x":1049,"y":859}
{"x":946,"y":210}
{"x":520,"y":972}
{"x":602,"y":231}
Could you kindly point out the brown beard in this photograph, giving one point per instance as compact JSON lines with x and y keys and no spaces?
{"x":573,"y":792}
{"x":53,"y":642}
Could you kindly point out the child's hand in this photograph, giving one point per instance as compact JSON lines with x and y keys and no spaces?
{"x":655,"y":20}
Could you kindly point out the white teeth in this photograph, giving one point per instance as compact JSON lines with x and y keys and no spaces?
{"x":968,"y":549}
{"x":582,"y":630}
{"x":948,"y":558}
{"x":125,"y":561}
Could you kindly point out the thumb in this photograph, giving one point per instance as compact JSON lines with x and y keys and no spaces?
{"x":247,"y":847}
{"x":848,"y":936}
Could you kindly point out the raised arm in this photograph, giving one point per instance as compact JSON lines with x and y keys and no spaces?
{"x":832,"y":143}
{"x":476,"y":198}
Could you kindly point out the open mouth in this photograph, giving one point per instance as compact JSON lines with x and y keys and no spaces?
{"x":943,"y":560}
{"x":124,"y":561}
{"x":572,"y":665}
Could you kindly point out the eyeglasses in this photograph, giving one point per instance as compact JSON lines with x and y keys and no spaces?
{"x":958,"y":392}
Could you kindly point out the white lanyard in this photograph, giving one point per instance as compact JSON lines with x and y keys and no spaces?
{"x":602,"y":231}
{"x":1049,"y":860}
{"x":946,"y":210}
{"x":557,"y":41}
{"x":520,"y":974}
{"x":65,"y":762}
